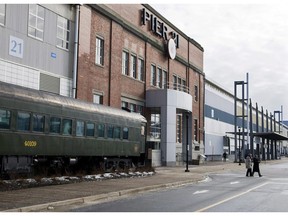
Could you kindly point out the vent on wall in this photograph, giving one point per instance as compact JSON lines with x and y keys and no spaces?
{"x":49,"y":83}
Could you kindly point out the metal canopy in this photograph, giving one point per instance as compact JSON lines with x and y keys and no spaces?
{"x":266,"y":135}
{"x":270,"y":135}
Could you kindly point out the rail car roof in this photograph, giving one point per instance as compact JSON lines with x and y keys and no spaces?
{"x":19,"y":92}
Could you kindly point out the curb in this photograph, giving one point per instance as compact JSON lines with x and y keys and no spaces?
{"x":105,"y":197}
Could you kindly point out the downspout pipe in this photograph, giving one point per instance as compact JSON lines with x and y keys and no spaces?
{"x":75,"y":60}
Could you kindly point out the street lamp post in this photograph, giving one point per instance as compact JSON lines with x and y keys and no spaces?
{"x":187,"y":144}
{"x":279,"y":131}
{"x":239,"y":146}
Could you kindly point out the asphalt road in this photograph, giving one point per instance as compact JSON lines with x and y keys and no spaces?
{"x":223,"y":192}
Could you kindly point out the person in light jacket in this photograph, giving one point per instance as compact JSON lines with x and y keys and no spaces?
{"x":256,"y":168}
{"x":248,"y":163}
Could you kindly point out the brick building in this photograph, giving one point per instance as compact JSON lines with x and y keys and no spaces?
{"x":131,"y":56}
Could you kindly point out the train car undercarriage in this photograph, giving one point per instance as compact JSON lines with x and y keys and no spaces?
{"x":15,"y":166}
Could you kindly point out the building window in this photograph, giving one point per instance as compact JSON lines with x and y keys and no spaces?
{"x":185,"y":89}
{"x":153,"y":75}
{"x":164,"y":79}
{"x":179,"y":83}
{"x":174,"y":82}
{"x":140,"y":109}
{"x":141,"y":69}
{"x":196,"y":93}
{"x":97,"y":99}
{"x":195,"y":129}
{"x":179,"y":128}
{"x":99,"y":55}
{"x":155,"y":127}
{"x":125,"y":63}
{"x":124,"y":104}
{"x":159,"y":77}
{"x":36,"y":22}
{"x":2,"y":14}
{"x":133,"y":66}
{"x":63,"y":32}
{"x":133,"y":107}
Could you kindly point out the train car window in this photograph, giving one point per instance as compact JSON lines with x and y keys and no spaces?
{"x":67,"y":126}
{"x":116,"y":133}
{"x":143,"y":130}
{"x":90,"y":129}
{"x":23,"y":121}
{"x":110,"y":129}
{"x":38,"y":123}
{"x":5,"y":117}
{"x":101,"y":130}
{"x":79,"y":128}
{"x":55,"y":125}
{"x":125,"y":132}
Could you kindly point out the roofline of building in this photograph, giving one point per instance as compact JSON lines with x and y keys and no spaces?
{"x":109,"y":13}
{"x":218,"y":87}
{"x":174,"y":27}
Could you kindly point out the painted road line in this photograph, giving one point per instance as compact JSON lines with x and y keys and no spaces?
{"x":200,"y":192}
{"x":236,"y":182}
{"x":230,"y":198}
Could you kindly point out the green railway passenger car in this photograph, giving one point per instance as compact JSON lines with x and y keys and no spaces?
{"x":40,"y":128}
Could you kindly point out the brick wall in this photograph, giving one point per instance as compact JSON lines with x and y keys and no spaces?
{"x":118,"y":37}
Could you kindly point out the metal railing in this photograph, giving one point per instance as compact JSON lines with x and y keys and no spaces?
{"x":171,"y":85}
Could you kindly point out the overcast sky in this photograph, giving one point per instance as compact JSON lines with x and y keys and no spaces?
{"x":239,"y":39}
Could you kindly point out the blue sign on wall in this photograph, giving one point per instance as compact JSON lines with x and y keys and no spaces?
{"x":53,"y":55}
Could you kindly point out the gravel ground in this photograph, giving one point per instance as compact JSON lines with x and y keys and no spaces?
{"x":6,"y":185}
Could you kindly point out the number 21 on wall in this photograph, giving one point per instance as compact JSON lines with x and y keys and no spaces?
{"x":16,"y":47}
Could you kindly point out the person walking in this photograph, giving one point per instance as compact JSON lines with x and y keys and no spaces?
{"x":256,"y":167}
{"x":248,"y":163}
{"x":224,"y":156}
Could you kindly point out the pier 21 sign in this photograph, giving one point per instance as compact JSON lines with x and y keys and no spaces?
{"x":158,"y":27}
{"x":16,"y":47}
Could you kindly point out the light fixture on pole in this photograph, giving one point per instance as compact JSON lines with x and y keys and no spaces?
{"x":187,"y":143}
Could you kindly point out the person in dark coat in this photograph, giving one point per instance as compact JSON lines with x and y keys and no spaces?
{"x":256,"y":168}
{"x":224,"y":156}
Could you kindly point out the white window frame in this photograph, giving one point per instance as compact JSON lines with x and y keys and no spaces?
{"x":99,"y":53}
{"x":97,"y":99}
{"x":140,"y":67}
{"x":133,"y":107}
{"x":125,"y":63}
{"x":133,"y":72}
{"x":37,"y":28}
{"x":3,"y":6}
{"x":63,"y":32}
{"x":124,"y":104}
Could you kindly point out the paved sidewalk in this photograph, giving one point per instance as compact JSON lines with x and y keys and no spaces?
{"x":58,"y":197}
